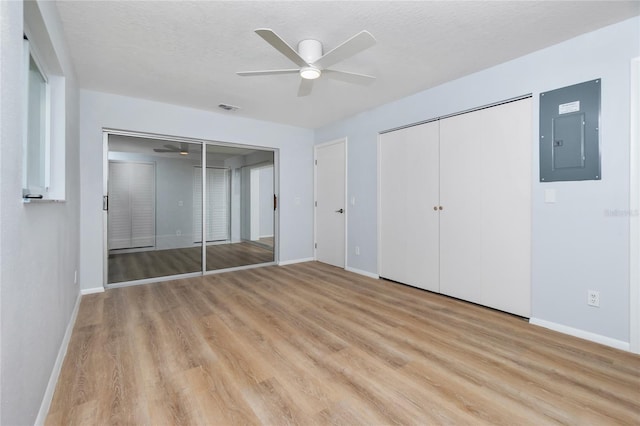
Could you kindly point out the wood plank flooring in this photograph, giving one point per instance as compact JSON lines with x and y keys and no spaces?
{"x":312,"y":344}
{"x":162,"y":263}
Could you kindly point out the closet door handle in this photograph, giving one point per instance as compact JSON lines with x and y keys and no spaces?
{"x":439,"y":207}
{"x":340,"y":211}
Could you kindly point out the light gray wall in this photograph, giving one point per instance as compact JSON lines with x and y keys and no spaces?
{"x":576,"y":245}
{"x":266,"y":201}
{"x":39,"y":242}
{"x":99,"y":110}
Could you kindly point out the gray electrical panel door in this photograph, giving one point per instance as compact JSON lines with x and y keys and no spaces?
{"x":569,"y":133}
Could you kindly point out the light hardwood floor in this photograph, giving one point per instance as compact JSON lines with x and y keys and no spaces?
{"x":312,"y":344}
{"x":162,"y":263}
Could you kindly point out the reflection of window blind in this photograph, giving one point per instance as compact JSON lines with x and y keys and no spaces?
{"x":217,"y":204}
{"x":131,"y":205}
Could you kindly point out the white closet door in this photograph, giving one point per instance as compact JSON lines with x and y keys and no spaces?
{"x":143,"y":205}
{"x":408,"y":194}
{"x":131,"y":215}
{"x":119,"y":215}
{"x":217,"y":199}
{"x":217,"y":204}
{"x":485,"y":224}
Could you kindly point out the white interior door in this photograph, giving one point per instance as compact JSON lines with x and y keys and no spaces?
{"x":485,"y":191}
{"x":409,"y":229}
{"x":330,"y":203}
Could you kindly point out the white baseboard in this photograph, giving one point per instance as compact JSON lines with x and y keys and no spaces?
{"x":593,"y":337}
{"x":85,"y":291}
{"x":291,"y":262}
{"x":266,"y":236}
{"x":361,"y":272}
{"x":55,"y":373}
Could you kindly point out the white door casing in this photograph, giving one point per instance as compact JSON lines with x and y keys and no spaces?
{"x":330,"y":199}
{"x":634,"y":210}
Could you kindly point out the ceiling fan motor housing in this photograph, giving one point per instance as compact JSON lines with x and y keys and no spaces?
{"x":310,"y":50}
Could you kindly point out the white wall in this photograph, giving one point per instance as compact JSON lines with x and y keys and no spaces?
{"x":576,"y":245}
{"x":99,"y":110}
{"x":39,"y":242}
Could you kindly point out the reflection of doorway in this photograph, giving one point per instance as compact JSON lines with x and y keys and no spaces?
{"x":258,"y":204}
{"x":161,"y":179}
{"x":330,"y":205}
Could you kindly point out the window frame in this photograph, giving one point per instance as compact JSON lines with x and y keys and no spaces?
{"x":29,"y":188}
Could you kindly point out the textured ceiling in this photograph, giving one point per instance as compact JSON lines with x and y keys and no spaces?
{"x":187,"y":53}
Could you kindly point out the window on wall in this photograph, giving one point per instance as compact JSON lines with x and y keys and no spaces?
{"x":44,"y":110}
{"x":36,"y":149}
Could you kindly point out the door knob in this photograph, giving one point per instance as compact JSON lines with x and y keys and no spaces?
{"x":340,"y":211}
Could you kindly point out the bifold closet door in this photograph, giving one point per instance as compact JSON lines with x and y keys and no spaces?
{"x":132,"y":215}
{"x":485,"y":191}
{"x":408,"y":195}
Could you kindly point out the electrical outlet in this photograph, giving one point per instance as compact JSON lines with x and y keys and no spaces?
{"x":593,"y":298}
{"x":357,"y":250}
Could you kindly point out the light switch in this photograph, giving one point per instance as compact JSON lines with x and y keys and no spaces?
{"x":549,"y":195}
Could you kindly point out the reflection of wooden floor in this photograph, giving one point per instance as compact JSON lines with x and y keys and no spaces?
{"x":311,"y":344}
{"x":161,"y":263}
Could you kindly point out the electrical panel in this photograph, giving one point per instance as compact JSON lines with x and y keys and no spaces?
{"x":570,"y":133}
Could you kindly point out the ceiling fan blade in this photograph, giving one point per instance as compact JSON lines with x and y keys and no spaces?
{"x":171,"y":147}
{"x":305,"y":87}
{"x":267,"y":72}
{"x":163,"y":150}
{"x":281,"y":46}
{"x":355,"y":44}
{"x":349,"y":77}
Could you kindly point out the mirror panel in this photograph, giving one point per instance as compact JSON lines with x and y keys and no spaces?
{"x":152,"y":197}
{"x":161,"y":205}
{"x":239,"y":210}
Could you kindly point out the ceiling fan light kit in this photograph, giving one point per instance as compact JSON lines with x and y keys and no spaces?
{"x":310,"y":73}
{"x":312,"y":62}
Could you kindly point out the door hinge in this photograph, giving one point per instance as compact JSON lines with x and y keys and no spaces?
{"x":275,"y":202}
{"x":315,"y":245}
{"x":316,"y":162}
{"x":105,"y":203}
{"x":316,"y":204}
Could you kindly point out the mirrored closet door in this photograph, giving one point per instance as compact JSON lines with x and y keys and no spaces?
{"x":173,"y":213}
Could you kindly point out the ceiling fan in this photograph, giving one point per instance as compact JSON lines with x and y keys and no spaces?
{"x":183,"y":149}
{"x":312,"y":62}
